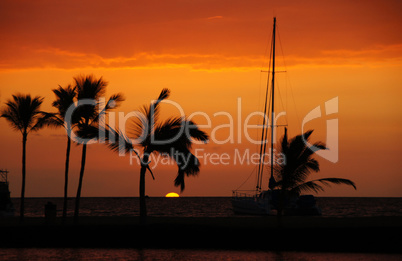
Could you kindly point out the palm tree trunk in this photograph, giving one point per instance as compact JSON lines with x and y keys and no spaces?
{"x":66,"y":178}
{"x":22,"y":206}
{"x":143,"y":206}
{"x":77,"y":199}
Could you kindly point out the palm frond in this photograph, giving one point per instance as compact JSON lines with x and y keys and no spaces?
{"x":297,"y":145}
{"x":64,"y":99}
{"x":318,"y":146}
{"x":114,"y":101}
{"x":22,"y":111}
{"x":307,"y":152}
{"x":188,"y":165}
{"x":55,"y":121}
{"x":139,"y":128}
{"x":338,"y":181}
{"x":45,"y":119}
{"x":165,"y":93}
{"x":153,"y":112}
{"x":86,"y":133}
{"x":312,"y":165}
{"x":88,"y":87}
{"x":142,"y":127}
{"x":195,"y":133}
{"x":90,"y":110}
{"x":173,"y":140}
{"x":300,"y":163}
{"x":117,"y":141}
{"x":307,"y":186}
{"x":176,"y":132}
{"x":170,"y":135}
{"x":314,"y":187}
{"x":306,"y":135}
{"x":10,"y":115}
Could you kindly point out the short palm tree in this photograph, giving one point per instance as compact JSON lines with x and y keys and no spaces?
{"x":87,"y":116}
{"x":299,"y":163}
{"x":172,"y":138}
{"x":23,"y":114}
{"x":65,"y":98}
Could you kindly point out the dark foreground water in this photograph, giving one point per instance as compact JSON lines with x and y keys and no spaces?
{"x":23,"y":254}
{"x":206,"y":206}
{"x":194,"y":207}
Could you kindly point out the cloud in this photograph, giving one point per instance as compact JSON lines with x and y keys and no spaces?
{"x":146,"y":34}
{"x":375,"y":55}
{"x":30,"y":58}
{"x":65,"y":59}
{"x":215,"y":17}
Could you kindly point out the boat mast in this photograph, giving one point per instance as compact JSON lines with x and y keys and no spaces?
{"x":272,"y":182}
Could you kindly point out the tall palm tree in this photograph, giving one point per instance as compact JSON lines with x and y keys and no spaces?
{"x":299,"y":164}
{"x":23,"y":114}
{"x":65,"y":98}
{"x":88,"y":115}
{"x":172,"y":138}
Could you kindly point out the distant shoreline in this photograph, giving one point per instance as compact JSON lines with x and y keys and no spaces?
{"x":353,"y":234}
{"x":69,"y":198}
{"x":203,"y":206}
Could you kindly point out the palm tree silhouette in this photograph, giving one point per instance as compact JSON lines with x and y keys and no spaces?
{"x":23,"y":114}
{"x":65,"y":98}
{"x":299,"y":164}
{"x":87,"y":116}
{"x":172,"y":138}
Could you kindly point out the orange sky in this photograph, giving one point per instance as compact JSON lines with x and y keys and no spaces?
{"x":209,"y":53}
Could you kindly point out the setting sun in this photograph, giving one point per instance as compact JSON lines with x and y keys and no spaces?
{"x":172,"y":195}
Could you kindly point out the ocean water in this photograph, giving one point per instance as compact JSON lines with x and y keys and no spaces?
{"x":195,"y":207}
{"x":205,"y":206}
{"x":23,"y":254}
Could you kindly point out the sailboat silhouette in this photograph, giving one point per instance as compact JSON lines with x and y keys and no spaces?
{"x":258,"y":201}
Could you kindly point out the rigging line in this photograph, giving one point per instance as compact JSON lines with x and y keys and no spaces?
{"x":261,"y":147}
{"x":257,"y":147}
{"x":260,"y":85}
{"x":268,"y":111}
{"x":265,"y":141}
{"x":288,"y":78}
{"x":259,"y":100}
{"x":280,"y":98}
{"x":280,"y":43}
{"x":277,"y":84}
{"x":264,"y":129}
{"x":247,"y":178}
{"x":259,"y":104}
{"x":284,"y":64}
{"x":262,"y":66}
{"x":266,"y":50}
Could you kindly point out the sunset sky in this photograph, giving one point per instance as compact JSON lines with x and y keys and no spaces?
{"x":210,"y":55}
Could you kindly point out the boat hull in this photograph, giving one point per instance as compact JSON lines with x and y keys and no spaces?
{"x":251,"y":205}
{"x":266,"y":203}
